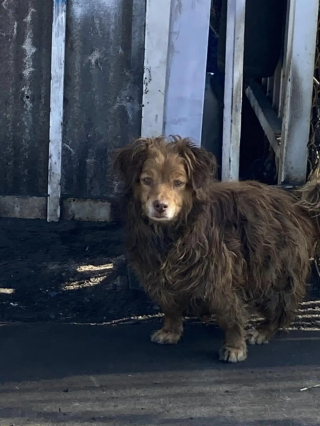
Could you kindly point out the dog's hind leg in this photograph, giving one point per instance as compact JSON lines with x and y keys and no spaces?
{"x":279,"y":311}
{"x":172,"y":328}
{"x":231,"y":317}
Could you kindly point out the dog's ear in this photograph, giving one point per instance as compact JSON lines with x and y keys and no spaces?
{"x":201,"y":165}
{"x":128,"y":161}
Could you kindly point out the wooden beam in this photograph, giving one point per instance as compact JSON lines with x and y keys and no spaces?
{"x":158,"y":15}
{"x":276,"y":95}
{"x":233,"y":89}
{"x":92,"y":210}
{"x":12,"y":206}
{"x":56,"y":108}
{"x":188,"y":51}
{"x":269,"y":121}
{"x":88,"y":210}
{"x":297,"y":85}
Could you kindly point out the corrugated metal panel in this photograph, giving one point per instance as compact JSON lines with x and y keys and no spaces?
{"x":25,"y":45}
{"x":103,"y":92}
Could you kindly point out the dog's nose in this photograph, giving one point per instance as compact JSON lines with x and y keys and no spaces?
{"x":159,"y":207}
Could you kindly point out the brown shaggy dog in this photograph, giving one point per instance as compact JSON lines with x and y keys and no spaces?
{"x":219,"y":248}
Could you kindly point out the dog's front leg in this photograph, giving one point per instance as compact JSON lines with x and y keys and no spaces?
{"x":172,"y":328}
{"x":231,"y":318}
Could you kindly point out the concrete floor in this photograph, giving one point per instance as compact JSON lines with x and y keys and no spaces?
{"x":53,"y":374}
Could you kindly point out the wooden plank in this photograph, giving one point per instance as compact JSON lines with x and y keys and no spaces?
{"x":23,"y":207}
{"x":56,"y":108}
{"x":270,"y":83}
{"x":287,"y":36}
{"x":277,"y":87}
{"x":86,"y":210}
{"x":155,"y":66}
{"x":233,"y":89}
{"x":270,"y":122}
{"x":188,"y":50}
{"x":71,"y":208}
{"x":297,"y":86}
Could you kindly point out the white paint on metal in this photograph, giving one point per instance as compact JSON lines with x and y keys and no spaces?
{"x":155,"y":66}
{"x":233,"y":89}
{"x":297,"y":86}
{"x":188,"y":47}
{"x":82,"y":8}
{"x":29,"y":51}
{"x":5,"y":4}
{"x":56,"y":108}
{"x":9,"y":14}
{"x":15,"y":27}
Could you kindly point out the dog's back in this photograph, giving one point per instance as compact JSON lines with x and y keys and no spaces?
{"x":270,"y":236}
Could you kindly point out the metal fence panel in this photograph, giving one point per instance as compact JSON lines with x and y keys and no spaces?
{"x":25,"y":46}
{"x":103,"y":90}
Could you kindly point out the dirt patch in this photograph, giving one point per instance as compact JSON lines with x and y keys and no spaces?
{"x":65,"y":272}
{"x":77,"y":272}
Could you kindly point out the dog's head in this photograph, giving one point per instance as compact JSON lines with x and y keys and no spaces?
{"x":167,"y":177}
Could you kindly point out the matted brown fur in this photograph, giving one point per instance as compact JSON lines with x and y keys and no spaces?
{"x":215,"y":248}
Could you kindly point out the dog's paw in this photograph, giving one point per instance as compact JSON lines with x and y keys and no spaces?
{"x":165,"y":337}
{"x":230,"y":354}
{"x":257,"y":337}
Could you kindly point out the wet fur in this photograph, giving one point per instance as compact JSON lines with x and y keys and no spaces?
{"x":237,"y":247}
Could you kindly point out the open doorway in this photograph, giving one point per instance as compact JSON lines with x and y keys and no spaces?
{"x":261,"y":56}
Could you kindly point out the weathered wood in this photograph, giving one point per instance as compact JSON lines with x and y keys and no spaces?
{"x":276,"y":95}
{"x":233,"y":89}
{"x":188,"y":50}
{"x":269,"y":121}
{"x":297,"y":86}
{"x":91,"y":210}
{"x":23,"y":207}
{"x":155,"y":66}
{"x":56,"y":108}
{"x":86,"y":210}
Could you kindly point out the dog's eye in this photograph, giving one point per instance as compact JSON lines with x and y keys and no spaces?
{"x":177,"y":183}
{"x":146,"y":181}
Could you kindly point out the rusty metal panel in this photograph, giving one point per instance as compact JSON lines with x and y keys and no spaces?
{"x":25,"y":49}
{"x":103,"y":90}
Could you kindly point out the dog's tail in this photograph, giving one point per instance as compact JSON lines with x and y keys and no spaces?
{"x":309,"y":196}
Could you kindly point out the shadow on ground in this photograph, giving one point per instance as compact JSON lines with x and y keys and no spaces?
{"x":65,"y":272}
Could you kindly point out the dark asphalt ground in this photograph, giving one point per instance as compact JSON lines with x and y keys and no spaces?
{"x":52,"y":374}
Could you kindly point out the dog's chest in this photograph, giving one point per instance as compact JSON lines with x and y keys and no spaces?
{"x":150,"y":251}
{"x":162,"y":244}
